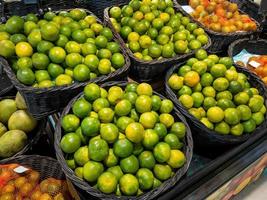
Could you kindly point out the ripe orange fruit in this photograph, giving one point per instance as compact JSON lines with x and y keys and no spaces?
{"x":191,"y":78}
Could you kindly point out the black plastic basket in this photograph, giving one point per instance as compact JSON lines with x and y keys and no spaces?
{"x":205,"y":137}
{"x":149,"y":70}
{"x":221,"y":41}
{"x":22,"y":7}
{"x":5,"y":84}
{"x":187,"y":149}
{"x":33,"y":137}
{"x":42,"y":102}
{"x":255,"y":46}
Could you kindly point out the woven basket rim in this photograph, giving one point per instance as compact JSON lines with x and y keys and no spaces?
{"x":20,"y":86}
{"x":238,"y":33}
{"x":238,"y":42}
{"x":22,"y":157}
{"x":231,"y":139}
{"x":32,"y":140}
{"x":3,"y":3}
{"x":187,"y":149}
{"x":154,"y":61}
{"x":7,"y":89}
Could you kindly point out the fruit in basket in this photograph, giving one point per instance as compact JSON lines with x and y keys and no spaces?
{"x":8,"y":48}
{"x":130,"y":132}
{"x":14,"y":24}
{"x":27,"y":185}
{"x":225,"y":102}
{"x":7,"y":108}
{"x":70,"y":48}
{"x":221,"y":16}
{"x":258,"y":65}
{"x":153,"y":30}
{"x":21,"y":120}
{"x":12,"y":142}
{"x":15,"y":124}
{"x":3,"y":129}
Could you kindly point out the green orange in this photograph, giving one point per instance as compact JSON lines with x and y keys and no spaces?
{"x":129,"y":184}
{"x":109,"y":132}
{"x":90,"y":166}
{"x":145,"y":178}
{"x":162,"y":152}
{"x":123,"y":148}
{"x":90,"y":126}
{"x":162,"y":172}
{"x":81,"y":108}
{"x":70,"y":143}
{"x":135,"y":132}
{"x":81,"y":73}
{"x":98,"y":149}
{"x":143,"y":104}
{"x":57,"y":54}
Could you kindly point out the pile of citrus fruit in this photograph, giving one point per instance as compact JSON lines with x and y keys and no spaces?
{"x":258,"y":65}
{"x":30,"y":184}
{"x":154,"y":30}
{"x":124,"y":142}
{"x":213,"y":91}
{"x":221,"y":16}
{"x":59,"y":49}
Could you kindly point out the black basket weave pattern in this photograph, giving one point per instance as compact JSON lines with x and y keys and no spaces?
{"x":221,"y":41}
{"x":148,"y":70}
{"x":204,"y":136}
{"x":44,"y":101}
{"x":8,"y":9}
{"x":5,"y":84}
{"x":188,"y":149}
